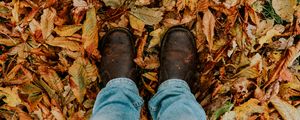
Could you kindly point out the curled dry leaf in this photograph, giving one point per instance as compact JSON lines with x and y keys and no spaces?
{"x":136,"y":23}
{"x":12,"y":98}
{"x":156,"y":37}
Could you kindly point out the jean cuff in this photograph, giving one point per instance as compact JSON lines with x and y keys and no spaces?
{"x":173,"y":83}
{"x":123,"y":83}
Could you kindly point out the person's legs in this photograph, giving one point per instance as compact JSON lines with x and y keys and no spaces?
{"x":119,"y":100}
{"x":178,"y":61}
{"x":174,"y":101}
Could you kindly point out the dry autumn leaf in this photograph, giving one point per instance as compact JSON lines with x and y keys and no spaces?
{"x":90,"y":32}
{"x":47,"y":21}
{"x":150,"y":16}
{"x":208,"y":29}
{"x":82,"y":74}
{"x":285,"y":9}
{"x":287,"y":111}
{"x":12,"y":98}
{"x":64,"y":42}
{"x":67,"y":30}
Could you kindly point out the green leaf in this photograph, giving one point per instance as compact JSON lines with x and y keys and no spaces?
{"x":227,"y":107}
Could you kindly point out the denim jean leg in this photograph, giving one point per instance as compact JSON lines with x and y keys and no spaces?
{"x":119,"y":100}
{"x":174,"y":101}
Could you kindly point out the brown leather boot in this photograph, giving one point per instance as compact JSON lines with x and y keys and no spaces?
{"x":117,"y":50}
{"x":178,"y":56}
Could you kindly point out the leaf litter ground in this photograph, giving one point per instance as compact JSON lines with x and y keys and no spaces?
{"x":248,"y":53}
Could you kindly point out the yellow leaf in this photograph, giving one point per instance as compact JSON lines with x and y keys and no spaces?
{"x":51,"y":78}
{"x":64,"y":43}
{"x":285,"y":8}
{"x":12,"y":98}
{"x":169,"y":4}
{"x":82,"y":74}
{"x":156,"y":37}
{"x":150,"y":16}
{"x":90,"y":31}
{"x":67,"y":30}
{"x":208,"y":29}
{"x":276,"y":30}
{"x":47,"y":21}
{"x":151,"y":76}
{"x":244,"y":111}
{"x":9,"y":41}
{"x":286,"y":110}
{"x":136,"y":23}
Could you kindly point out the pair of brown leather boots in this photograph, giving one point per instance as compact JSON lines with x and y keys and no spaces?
{"x":178,"y":55}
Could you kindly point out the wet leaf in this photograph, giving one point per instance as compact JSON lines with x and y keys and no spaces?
{"x":156,"y":37}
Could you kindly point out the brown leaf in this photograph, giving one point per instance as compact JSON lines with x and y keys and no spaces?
{"x":291,"y":54}
{"x":12,"y":98}
{"x":82,"y":74}
{"x":150,"y":16}
{"x":287,"y":111}
{"x":90,"y":32}
{"x":285,"y":9}
{"x":51,"y":78}
{"x":208,"y":29}
{"x":244,"y":111}
{"x":64,"y":42}
{"x":47,"y":21}
{"x":67,"y":30}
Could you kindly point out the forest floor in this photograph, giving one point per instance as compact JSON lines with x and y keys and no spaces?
{"x":248,"y":54}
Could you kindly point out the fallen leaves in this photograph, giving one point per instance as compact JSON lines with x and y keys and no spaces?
{"x":248,"y":54}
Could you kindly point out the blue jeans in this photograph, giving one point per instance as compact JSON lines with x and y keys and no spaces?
{"x":120,"y":100}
